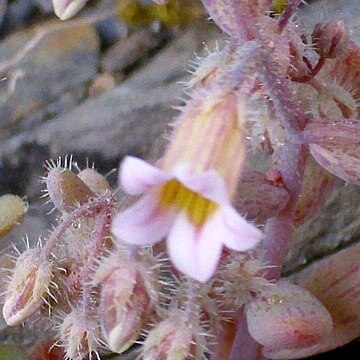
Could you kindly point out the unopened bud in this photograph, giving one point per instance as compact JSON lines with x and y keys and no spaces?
{"x":331,"y":39}
{"x":65,"y":9}
{"x":286,"y":316}
{"x":95,"y":181}
{"x":169,"y":340}
{"x":27,"y":288}
{"x":126,"y":301}
{"x":66,"y":189}
{"x":12,"y":210}
{"x":78,"y":335}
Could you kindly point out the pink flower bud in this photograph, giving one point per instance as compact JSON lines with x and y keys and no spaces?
{"x":126,"y":300}
{"x":286,"y":316}
{"x":78,"y":335}
{"x":65,"y":9}
{"x":331,"y":39}
{"x":27,"y":288}
{"x":171,"y":339}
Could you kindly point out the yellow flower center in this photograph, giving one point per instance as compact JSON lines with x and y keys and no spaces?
{"x":197,"y":208}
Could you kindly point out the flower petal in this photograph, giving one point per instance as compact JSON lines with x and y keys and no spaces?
{"x":137,"y":176}
{"x":65,"y":9}
{"x":143,"y":223}
{"x":235,"y":232}
{"x":207,"y":184}
{"x":192,"y":251}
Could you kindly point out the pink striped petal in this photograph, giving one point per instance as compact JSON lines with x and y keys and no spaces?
{"x":235,"y":232}
{"x":208,"y":184}
{"x":137,"y":176}
{"x":143,"y":223}
{"x":194,"y":252}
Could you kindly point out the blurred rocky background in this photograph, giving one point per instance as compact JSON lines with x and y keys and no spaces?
{"x":101,"y":89}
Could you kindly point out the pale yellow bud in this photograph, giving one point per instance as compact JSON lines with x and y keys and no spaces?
{"x":12,"y":210}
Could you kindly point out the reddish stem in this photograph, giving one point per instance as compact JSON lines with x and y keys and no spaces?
{"x":314,"y":71}
{"x":244,"y":346}
{"x":292,"y":159}
{"x":277,"y":234}
{"x":289,"y":11}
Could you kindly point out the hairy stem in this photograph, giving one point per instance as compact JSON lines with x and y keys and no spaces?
{"x":292,"y":159}
{"x":90,"y":208}
{"x":97,"y":238}
{"x":278,"y":232}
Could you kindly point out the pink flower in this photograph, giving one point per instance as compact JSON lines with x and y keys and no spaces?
{"x":192,"y":210}
{"x":188,"y":199}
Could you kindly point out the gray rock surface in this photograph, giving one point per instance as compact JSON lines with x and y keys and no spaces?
{"x":3,"y":5}
{"x":335,"y":227}
{"x":50,"y":79}
{"x":129,"y":50}
{"x":128,"y":119}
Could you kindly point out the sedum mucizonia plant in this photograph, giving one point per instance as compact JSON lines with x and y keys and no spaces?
{"x":100,"y":278}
